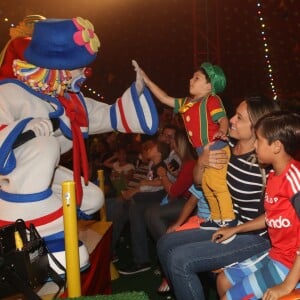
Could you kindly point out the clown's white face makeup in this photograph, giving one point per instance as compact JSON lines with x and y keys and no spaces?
{"x":78,"y":78}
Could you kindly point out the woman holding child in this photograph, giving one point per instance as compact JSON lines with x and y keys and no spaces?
{"x":184,"y":254}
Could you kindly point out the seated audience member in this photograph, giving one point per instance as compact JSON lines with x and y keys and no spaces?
{"x":97,"y":152}
{"x":188,"y":220}
{"x":167,"y":135}
{"x":185,"y":254}
{"x":140,"y":200}
{"x":121,"y":169}
{"x":278,"y":139}
{"x":166,"y":116}
{"x":161,"y":215}
{"x":116,"y":207}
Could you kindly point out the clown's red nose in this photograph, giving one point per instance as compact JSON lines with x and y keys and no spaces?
{"x":88,"y":72}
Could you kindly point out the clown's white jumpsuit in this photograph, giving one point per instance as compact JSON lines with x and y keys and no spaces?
{"x":30,"y":177}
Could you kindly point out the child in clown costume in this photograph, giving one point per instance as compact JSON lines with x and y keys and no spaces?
{"x":205,"y":121}
{"x":47,"y":92}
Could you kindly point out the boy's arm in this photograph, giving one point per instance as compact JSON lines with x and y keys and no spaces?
{"x":157,"y":91}
{"x":288,"y":285}
{"x":223,"y":128}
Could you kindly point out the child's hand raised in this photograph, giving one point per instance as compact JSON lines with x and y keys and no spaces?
{"x":139,"y":83}
{"x":140,"y":73}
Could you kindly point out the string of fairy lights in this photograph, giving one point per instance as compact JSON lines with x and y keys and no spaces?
{"x":93,"y":92}
{"x":90,"y":90}
{"x":266,"y":50}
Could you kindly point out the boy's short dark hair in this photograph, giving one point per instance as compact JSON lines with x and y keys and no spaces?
{"x":205,"y":74}
{"x":283,"y":126}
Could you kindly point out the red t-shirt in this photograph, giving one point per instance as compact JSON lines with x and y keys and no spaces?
{"x":183,"y":181}
{"x":281,"y":217}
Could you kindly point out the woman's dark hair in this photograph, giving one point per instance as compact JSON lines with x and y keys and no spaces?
{"x":258,"y":106}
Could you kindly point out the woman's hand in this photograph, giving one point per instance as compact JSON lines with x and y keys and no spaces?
{"x":223,"y":234}
{"x":217,"y":159}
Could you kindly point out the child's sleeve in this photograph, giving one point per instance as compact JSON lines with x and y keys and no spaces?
{"x":216,"y":108}
{"x":179,"y":102}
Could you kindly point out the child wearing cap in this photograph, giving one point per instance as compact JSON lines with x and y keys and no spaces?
{"x":205,"y":121}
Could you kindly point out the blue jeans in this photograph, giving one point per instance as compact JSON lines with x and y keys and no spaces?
{"x":160,"y":217}
{"x":117,"y":212}
{"x":184,"y":254}
{"x":138,"y":228}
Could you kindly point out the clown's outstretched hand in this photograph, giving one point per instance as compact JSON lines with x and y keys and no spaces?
{"x":139,"y":83}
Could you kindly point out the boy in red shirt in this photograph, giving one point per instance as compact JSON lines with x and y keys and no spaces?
{"x":278,"y":140}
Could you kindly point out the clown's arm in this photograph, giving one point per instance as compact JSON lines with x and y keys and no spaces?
{"x":134,"y":111}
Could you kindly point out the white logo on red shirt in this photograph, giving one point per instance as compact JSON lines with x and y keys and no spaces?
{"x":270,"y":199}
{"x":278,"y":223}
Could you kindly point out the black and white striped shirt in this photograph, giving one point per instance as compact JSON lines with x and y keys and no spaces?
{"x":245,"y":184}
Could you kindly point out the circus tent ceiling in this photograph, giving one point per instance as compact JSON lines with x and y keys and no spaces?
{"x":161,"y":35}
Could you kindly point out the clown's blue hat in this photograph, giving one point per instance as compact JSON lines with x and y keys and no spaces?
{"x":63,"y":44}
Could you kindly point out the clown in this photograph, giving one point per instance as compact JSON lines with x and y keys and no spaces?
{"x":45,"y":101}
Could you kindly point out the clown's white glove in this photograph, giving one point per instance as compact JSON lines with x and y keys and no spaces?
{"x":139,"y":83}
{"x":40,"y":127}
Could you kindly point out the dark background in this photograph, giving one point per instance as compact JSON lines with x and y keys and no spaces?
{"x":170,"y":38}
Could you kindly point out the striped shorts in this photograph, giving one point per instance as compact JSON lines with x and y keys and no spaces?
{"x":252,"y":277}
